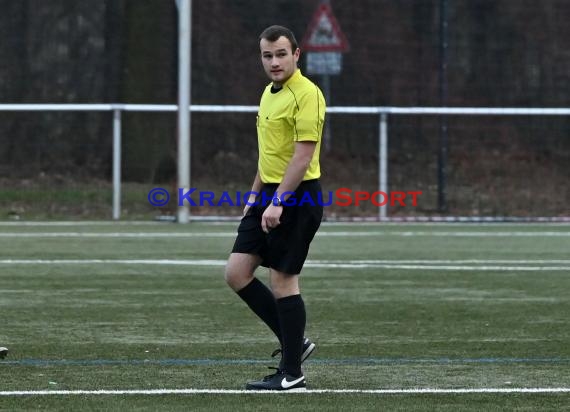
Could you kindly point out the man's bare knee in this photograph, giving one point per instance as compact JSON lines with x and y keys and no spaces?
{"x":239,"y":270}
{"x":237,"y":279}
{"x":283,"y":285}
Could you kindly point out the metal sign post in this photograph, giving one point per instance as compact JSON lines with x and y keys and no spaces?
{"x":324,"y":43}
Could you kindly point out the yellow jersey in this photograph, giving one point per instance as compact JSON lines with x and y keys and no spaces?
{"x":294,"y":113}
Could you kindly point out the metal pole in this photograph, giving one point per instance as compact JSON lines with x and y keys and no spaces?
{"x":383,"y":163}
{"x":116,"y":164}
{"x":443,"y":138}
{"x":327,"y":94}
{"x":184,"y":77}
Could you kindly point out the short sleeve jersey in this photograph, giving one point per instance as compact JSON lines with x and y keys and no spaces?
{"x":296,"y":113}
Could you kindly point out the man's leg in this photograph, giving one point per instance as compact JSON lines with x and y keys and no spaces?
{"x":239,"y":276}
{"x":292,"y":317}
{"x":291,"y":309}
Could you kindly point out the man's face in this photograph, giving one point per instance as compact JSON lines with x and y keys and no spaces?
{"x":279,"y":62}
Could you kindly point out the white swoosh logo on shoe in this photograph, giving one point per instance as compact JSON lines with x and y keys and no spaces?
{"x":286,"y":385}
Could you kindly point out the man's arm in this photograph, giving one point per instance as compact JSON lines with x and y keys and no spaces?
{"x":256,"y":187}
{"x":297,"y":167}
{"x":293,"y":177}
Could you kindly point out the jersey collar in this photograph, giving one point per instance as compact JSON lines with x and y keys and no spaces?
{"x":294,"y":77}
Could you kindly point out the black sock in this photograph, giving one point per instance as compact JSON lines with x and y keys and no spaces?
{"x":292,"y":316}
{"x":262,"y":302}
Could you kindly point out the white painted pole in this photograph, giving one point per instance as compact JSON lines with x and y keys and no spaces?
{"x":116,"y":164}
{"x":383,"y":163}
{"x":184,"y":90}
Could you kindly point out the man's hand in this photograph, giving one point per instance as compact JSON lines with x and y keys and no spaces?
{"x":270,"y":218}
{"x":250,"y":202}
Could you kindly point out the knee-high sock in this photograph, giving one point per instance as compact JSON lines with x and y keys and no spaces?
{"x":262,"y":302}
{"x":292,"y":317}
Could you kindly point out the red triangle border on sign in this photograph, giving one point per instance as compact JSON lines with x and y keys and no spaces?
{"x":324,"y":8}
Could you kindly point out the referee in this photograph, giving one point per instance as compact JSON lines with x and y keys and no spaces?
{"x":277,"y":227}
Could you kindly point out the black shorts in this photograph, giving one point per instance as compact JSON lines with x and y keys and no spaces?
{"x":285,"y":247}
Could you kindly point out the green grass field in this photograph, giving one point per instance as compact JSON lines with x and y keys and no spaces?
{"x":401,"y":308}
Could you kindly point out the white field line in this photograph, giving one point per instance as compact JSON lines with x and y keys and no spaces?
{"x":141,"y":235}
{"x":231,"y":221}
{"x":309,"y":391}
{"x":352,"y":264}
{"x":454,"y":261}
{"x":154,"y":235}
{"x":80,"y":223}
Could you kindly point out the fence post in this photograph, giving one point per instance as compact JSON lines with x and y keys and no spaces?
{"x":383,"y":163}
{"x":116,"y":164}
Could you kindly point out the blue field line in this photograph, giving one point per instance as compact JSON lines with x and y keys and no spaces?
{"x":228,"y":362}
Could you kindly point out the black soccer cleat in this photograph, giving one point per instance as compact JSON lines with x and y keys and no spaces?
{"x":279,"y":381}
{"x":308,"y":349}
{"x":3,"y":352}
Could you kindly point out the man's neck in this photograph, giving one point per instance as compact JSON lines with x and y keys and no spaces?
{"x":279,"y":85}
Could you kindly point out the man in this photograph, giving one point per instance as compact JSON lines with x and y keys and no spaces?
{"x":283,"y":211}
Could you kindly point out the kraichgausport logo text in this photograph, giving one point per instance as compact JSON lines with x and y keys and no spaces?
{"x":343,"y":197}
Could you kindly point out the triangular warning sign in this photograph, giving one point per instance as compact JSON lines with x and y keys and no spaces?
{"x":324,"y":34}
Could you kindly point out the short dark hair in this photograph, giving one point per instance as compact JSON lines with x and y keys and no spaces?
{"x":272,"y":33}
